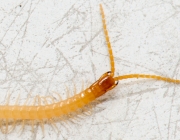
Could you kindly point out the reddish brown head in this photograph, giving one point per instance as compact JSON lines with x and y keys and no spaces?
{"x":106,"y":82}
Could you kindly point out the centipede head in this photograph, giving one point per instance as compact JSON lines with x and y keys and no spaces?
{"x":105,"y":83}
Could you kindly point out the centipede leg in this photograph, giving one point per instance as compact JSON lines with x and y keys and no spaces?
{"x":67,"y":91}
{"x":73,"y":118}
{"x":17,"y":99}
{"x":14,"y":120}
{"x":22,"y":127}
{"x":2,"y":130}
{"x":41,"y":121}
{"x":52,"y":99}
{"x":32,"y":121}
{"x":23,"y":121}
{"x":64,"y":122}
{"x":6,"y":127}
{"x":82,"y":88}
{"x":25,"y":103}
{"x":53,"y":124}
{"x":6,"y":130}
{"x":75,"y":90}
{"x":60,"y":98}
{"x":8,"y":99}
{"x":32,"y":125}
{"x":12,"y":126}
{"x":89,"y":110}
{"x":34,"y":102}
{"x":50,"y":120}
{"x":42,"y":126}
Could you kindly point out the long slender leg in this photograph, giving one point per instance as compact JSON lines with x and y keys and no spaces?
{"x":6,"y":126}
{"x":32,"y":121}
{"x":111,"y":57}
{"x":23,"y":121}
{"x":22,"y":127}
{"x":5,"y":130}
{"x":68,"y":92}
{"x":41,"y":121}
{"x":42,"y":126}
{"x":51,"y":98}
{"x":82,"y":88}
{"x":14,"y":121}
{"x":25,"y":103}
{"x":32,"y":125}
{"x":2,"y":129}
{"x":50,"y":120}
{"x":8,"y":98}
{"x":17,"y":100}
{"x":89,"y":110}
{"x":53,"y":124}
{"x":60,"y":98}
{"x":75,"y":90}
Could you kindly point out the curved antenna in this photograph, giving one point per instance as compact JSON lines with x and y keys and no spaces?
{"x":111,"y":57}
{"x":147,"y":76}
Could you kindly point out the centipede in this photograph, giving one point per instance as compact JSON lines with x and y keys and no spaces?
{"x":11,"y":115}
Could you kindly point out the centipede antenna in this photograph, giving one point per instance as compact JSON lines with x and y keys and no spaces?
{"x":148,"y":77}
{"x":111,"y":57}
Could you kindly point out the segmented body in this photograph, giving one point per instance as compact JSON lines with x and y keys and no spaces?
{"x":47,"y":111}
{"x":106,"y":82}
{"x":61,"y":108}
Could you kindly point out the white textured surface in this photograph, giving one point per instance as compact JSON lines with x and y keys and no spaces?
{"x":45,"y":45}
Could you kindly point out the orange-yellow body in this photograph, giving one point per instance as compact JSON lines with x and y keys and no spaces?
{"x":61,"y":108}
{"x":65,"y":107}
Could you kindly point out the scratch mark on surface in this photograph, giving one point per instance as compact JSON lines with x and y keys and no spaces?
{"x":132,"y":116}
{"x":172,"y":99}
{"x":13,"y":21}
{"x":157,"y":122}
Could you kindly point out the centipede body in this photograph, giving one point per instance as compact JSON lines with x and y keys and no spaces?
{"x":62,"y":108}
